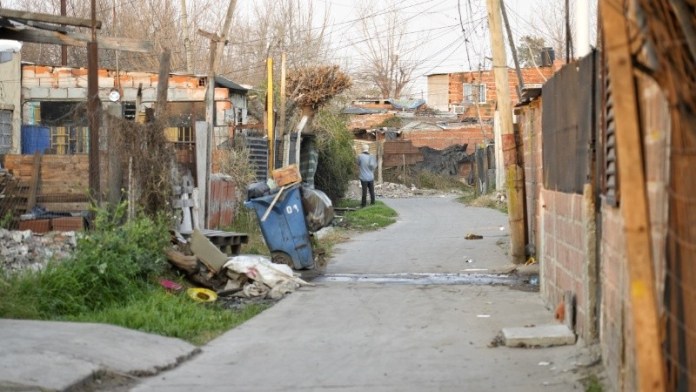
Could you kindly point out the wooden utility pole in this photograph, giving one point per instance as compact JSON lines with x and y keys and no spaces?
{"x":281,"y":121}
{"x":63,"y":48}
{"x":514,"y":175}
{"x":513,"y":49}
{"x":217,"y":45}
{"x":270,"y":113}
{"x":93,"y":106}
{"x":187,"y":38}
{"x":634,"y":203}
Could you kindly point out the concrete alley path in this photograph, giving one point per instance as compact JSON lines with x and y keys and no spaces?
{"x":363,"y":335}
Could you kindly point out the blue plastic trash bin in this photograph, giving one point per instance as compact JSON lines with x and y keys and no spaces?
{"x":284,"y":229}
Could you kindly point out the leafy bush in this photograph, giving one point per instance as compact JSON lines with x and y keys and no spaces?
{"x":336,"y":156}
{"x":111,"y":264}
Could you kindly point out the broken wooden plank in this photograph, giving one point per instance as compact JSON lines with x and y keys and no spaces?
{"x":188,"y":264}
{"x":207,"y":252}
{"x":75,"y":39}
{"x":47,"y":18}
{"x":644,"y":318}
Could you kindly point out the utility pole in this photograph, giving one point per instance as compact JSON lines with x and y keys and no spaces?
{"x":187,"y":38}
{"x":514,"y":175}
{"x":93,"y":106}
{"x":217,"y":45}
{"x":63,"y":48}
{"x":582,"y":28}
{"x":281,"y":122}
{"x":513,"y":49}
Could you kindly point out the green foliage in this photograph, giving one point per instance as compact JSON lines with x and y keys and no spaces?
{"x":246,"y":221}
{"x":109,"y":265}
{"x":529,"y":50}
{"x":336,"y":156}
{"x":371,"y":217}
{"x":6,"y":220}
{"x":592,"y":384}
{"x":174,"y":315}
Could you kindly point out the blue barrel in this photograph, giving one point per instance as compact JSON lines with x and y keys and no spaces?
{"x":35,"y":138}
{"x":284,"y":229}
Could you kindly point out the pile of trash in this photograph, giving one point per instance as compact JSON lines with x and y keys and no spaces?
{"x":24,"y":250}
{"x":239,"y":276}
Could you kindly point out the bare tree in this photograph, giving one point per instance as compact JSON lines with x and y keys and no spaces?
{"x":273,"y":27}
{"x":389,"y":59}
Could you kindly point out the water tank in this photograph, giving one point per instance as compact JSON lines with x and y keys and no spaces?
{"x":547,"y":57}
{"x":35,"y":138}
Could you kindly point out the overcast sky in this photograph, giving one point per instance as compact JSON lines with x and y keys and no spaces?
{"x":437,"y":23}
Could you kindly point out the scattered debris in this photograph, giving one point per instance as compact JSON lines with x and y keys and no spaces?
{"x":473,"y":237}
{"x":201,"y":295}
{"x":170,"y":285}
{"x":24,"y":250}
{"x":240,"y":276}
{"x":483,"y":315}
{"x":497,"y":341}
{"x":544,"y":363}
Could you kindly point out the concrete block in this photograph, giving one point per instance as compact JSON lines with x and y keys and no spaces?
{"x":48,"y":81}
{"x":538,"y":336}
{"x":150,"y":94}
{"x":129,"y":94}
{"x":37,"y":92}
{"x":106,"y":82}
{"x":77,"y":93}
{"x":30,"y":81}
{"x":81,"y":81}
{"x":58,"y":93}
{"x":66,"y":81}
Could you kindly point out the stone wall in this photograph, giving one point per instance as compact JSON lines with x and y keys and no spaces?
{"x":23,"y":250}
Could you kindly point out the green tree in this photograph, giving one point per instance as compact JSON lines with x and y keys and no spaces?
{"x":336,"y":156}
{"x":529,"y":50}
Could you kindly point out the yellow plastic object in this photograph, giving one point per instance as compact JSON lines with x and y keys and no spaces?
{"x":202,"y":295}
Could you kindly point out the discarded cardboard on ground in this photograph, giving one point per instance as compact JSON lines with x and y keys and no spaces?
{"x":207,"y":252}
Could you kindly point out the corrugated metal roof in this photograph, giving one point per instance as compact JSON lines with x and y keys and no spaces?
{"x":224,"y":82}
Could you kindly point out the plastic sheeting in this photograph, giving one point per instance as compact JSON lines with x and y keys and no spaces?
{"x":317,"y":207}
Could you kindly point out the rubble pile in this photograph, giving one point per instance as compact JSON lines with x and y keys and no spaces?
{"x":236,"y":276}
{"x":388,"y":190}
{"x":24,"y":250}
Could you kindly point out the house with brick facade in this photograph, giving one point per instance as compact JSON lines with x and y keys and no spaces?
{"x":472,"y":92}
{"x":48,"y":104}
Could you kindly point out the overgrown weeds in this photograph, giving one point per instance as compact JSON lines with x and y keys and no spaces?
{"x":424,"y":179}
{"x":489,"y":200}
{"x":371,"y":217}
{"x":113,"y":278}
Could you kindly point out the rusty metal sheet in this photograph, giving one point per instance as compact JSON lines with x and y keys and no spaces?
{"x":568,"y":123}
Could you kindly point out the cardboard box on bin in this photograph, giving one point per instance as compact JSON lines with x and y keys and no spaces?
{"x":287,"y":175}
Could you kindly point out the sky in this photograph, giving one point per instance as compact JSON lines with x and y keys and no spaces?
{"x":442,"y":42}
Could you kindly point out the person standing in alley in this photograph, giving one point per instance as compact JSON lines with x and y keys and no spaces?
{"x":367,"y":164}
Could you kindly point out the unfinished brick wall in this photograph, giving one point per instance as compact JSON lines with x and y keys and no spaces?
{"x":529,"y":120}
{"x":530,"y":76}
{"x":441,"y":139}
{"x":563,"y":253}
{"x":614,"y":321}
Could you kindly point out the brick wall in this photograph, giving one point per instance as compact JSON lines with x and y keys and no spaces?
{"x":563,"y":253}
{"x":530,"y":76}
{"x":529,"y":120}
{"x":443,"y":138}
{"x":63,"y":83}
{"x":614,"y":320}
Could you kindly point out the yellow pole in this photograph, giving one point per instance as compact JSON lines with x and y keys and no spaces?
{"x":270,"y":114}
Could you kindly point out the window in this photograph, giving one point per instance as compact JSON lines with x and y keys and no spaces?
{"x":474,"y":93}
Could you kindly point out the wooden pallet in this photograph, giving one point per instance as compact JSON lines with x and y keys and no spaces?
{"x":230,"y":243}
